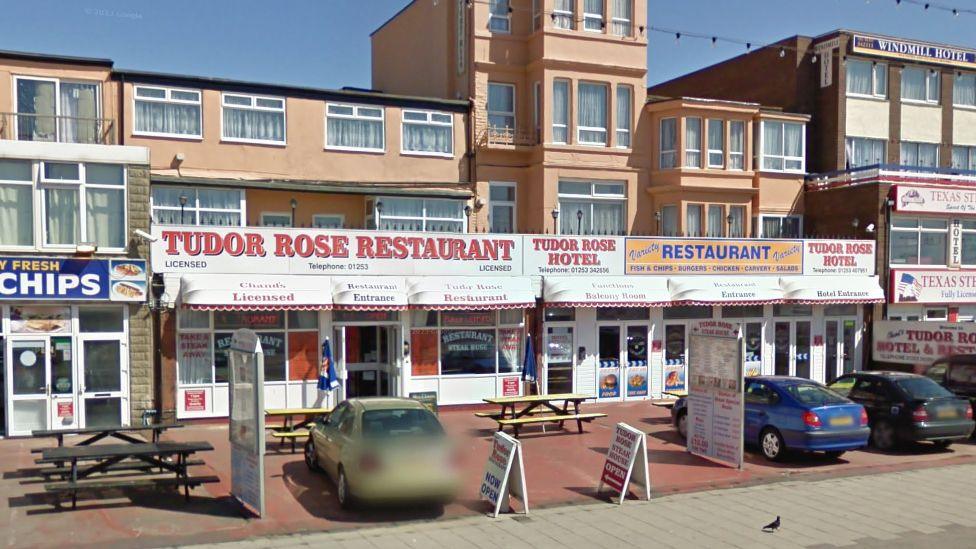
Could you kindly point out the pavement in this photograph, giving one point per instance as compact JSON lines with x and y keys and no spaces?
{"x":929,"y":507}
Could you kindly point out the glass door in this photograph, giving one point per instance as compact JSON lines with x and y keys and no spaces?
{"x":29,"y":385}
{"x":103,"y":362}
{"x":636,"y":359}
{"x":791,"y":348}
{"x":64,"y":402}
{"x":839,"y":342}
{"x":368,"y":361}
{"x":675,"y":357}
{"x":559,"y":359}
{"x":609,"y":355}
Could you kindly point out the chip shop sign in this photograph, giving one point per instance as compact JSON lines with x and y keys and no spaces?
{"x":72,"y":279}
{"x":912,"y":199}
{"x":915,"y":51}
{"x":921,"y":342}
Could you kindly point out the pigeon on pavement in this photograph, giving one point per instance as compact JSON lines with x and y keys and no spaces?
{"x":772,"y":526}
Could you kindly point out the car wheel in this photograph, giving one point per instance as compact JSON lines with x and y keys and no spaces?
{"x":883,"y":435}
{"x":683,"y":424}
{"x":772,"y":445}
{"x":943,"y":444}
{"x":311,"y":460}
{"x":342,"y":490}
{"x":835,"y":454}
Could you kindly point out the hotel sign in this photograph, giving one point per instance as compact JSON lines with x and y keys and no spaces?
{"x":920,"y":286}
{"x":921,"y":342}
{"x":675,"y":256}
{"x":914,"y":51}
{"x":913,"y":199}
{"x":574,"y":255}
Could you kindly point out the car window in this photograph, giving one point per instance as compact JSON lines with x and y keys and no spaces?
{"x":337,"y":415}
{"x":937,"y":371}
{"x":963,"y":373}
{"x":814,"y":395}
{"x":869,"y":389}
{"x":346,"y":423}
{"x":843,"y":385}
{"x":921,"y":388}
{"x":400,"y":423}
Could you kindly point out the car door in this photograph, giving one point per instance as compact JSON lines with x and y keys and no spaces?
{"x":870,"y":393}
{"x":345,"y":438}
{"x":326,"y":437}
{"x":756,"y":401}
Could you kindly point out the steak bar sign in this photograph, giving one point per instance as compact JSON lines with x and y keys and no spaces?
{"x":913,"y":199}
{"x":915,"y":286}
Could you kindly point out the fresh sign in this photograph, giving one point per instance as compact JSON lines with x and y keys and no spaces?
{"x":74,"y":279}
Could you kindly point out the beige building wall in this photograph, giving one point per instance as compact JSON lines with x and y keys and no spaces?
{"x":412,"y":52}
{"x":867,"y":118}
{"x":963,"y":127}
{"x":922,"y":123}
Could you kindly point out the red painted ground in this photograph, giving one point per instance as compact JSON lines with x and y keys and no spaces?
{"x":561,"y":467}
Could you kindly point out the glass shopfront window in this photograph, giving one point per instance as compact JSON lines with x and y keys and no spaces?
{"x":453,"y":343}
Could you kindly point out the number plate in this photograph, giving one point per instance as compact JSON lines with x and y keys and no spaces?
{"x":947,"y":413}
{"x":841,"y":421}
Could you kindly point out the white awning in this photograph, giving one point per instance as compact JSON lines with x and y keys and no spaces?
{"x":369,"y":293}
{"x":832,"y":289}
{"x":607,"y":291}
{"x":255,"y":292}
{"x":725,"y":290}
{"x":485,"y":292}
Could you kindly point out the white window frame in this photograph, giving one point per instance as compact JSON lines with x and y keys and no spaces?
{"x":710,"y":151}
{"x":356,"y":116}
{"x":424,"y":218}
{"x":57,"y":100}
{"x":971,"y":77}
{"x":430,"y":122}
{"x":931,"y":96}
{"x":29,"y":184}
{"x":168,"y":99}
{"x":803,"y":147}
{"x":81,"y":186}
{"x":918,"y":147}
{"x":628,"y":130}
{"x":254,"y":107}
{"x":970,"y":152}
{"x":615,"y":20}
{"x":741,"y":154}
{"x":560,"y":15}
{"x":490,"y":113}
{"x":606,"y":108}
{"x":592,"y":198}
{"x":851,"y":140}
{"x":341,"y":218}
{"x":507,"y":18}
{"x":673,"y":153}
{"x":598,"y":17}
{"x":878,"y":91}
{"x":196,"y":209}
{"x":269,"y":214}
{"x":918,"y":230}
{"x":781,"y":217}
{"x":698,"y":147}
{"x":566,"y":114}
{"x":513,"y":204}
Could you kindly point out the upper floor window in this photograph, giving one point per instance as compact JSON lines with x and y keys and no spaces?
{"x":782,"y":146}
{"x":964,"y":158}
{"x":867,"y":78}
{"x":328,"y":221}
{"x":737,"y":131}
{"x":354,"y":128}
{"x":501,"y":199}
{"x":564,"y":14}
{"x":428,"y":132}
{"x":918,"y":84}
{"x":253,"y":119}
{"x":669,"y":220}
{"x":669,"y":143}
{"x":49,"y":109}
{"x":82,"y":203}
{"x":864,"y":151}
{"x":780,"y":226}
{"x":560,"y":111}
{"x":624,"y":116}
{"x":591,"y":122}
{"x":622,"y":17}
{"x":693,"y":220}
{"x":192,"y":206}
{"x":716,"y":143}
{"x":925,"y":155}
{"x":397,"y":213}
{"x":916,"y":241}
{"x":593,"y":15}
{"x":499,"y":16}
{"x":167,"y":112}
{"x":16,"y":203}
{"x":276,"y":219}
{"x":964,"y":90}
{"x":536,"y":14}
{"x":592,"y":207}
{"x":737,"y":227}
{"x":693,"y":142}
{"x":501,"y":107}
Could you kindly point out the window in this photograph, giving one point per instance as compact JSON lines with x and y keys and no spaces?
{"x":964,"y":90}
{"x":693,"y":220}
{"x":501,"y":108}
{"x":560,"y":111}
{"x":716,"y":144}
{"x":564,"y":14}
{"x":917,"y":241}
{"x":738,"y":227}
{"x":83,"y":203}
{"x":253,"y":119}
{"x":468,"y":342}
{"x":428,"y":132}
{"x":693,"y":142}
{"x":780,"y":226}
{"x":167,"y":112}
{"x":355,"y":128}
{"x":925,"y":155}
{"x":621,"y":18}
{"x":968,"y":242}
{"x":593,"y":15}
{"x":921,"y":85}
{"x":964,"y":158}
{"x":669,"y":220}
{"x":275,"y":219}
{"x":624,"y":117}
{"x":592,"y":207}
{"x":864,"y":151}
{"x":737,"y":132}
{"x":866,"y":78}
{"x":191,"y":206}
{"x":328,"y":221}
{"x":782,"y":146}
{"x":669,"y":143}
{"x":396,"y":213}
{"x":591,"y":121}
{"x":16,"y":203}
{"x":537,"y":109}
{"x":501,"y":199}
{"x":499,"y":16}
{"x":55,"y":110}
{"x":536,"y":14}
{"x":716,"y":221}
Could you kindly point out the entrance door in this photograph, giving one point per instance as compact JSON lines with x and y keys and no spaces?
{"x":29,"y":385}
{"x":791,"y":348}
{"x":839,"y":352}
{"x":636,"y":360}
{"x":103,"y":362}
{"x":64,"y":401}
{"x":369,"y":361}
{"x":609,"y":350}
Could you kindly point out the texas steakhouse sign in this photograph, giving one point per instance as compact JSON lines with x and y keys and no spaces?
{"x":342,"y":252}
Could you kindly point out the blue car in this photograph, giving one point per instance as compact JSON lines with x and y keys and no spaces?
{"x":791,"y":413}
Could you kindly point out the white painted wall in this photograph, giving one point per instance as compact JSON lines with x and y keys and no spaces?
{"x":867,"y":118}
{"x":964,"y":126}
{"x":921,"y":123}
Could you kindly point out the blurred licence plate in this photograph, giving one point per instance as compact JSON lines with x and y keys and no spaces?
{"x":841,"y":421}
{"x":946,"y":413}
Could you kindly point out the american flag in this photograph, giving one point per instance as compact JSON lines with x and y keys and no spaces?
{"x":909,"y":287}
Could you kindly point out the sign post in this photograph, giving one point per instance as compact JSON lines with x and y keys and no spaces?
{"x":504,"y":474}
{"x":247,"y":420}
{"x":715,"y":396}
{"x":627,"y":450}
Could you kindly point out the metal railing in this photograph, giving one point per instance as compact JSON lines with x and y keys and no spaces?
{"x":507,"y":137}
{"x":56,"y":129}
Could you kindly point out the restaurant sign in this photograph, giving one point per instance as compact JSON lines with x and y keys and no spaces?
{"x":912,"y":50}
{"x":72,"y":279}
{"x":670,"y":256}
{"x":921,"y":286}
{"x":921,"y":342}
{"x":914,"y":199}
{"x":626,"y":463}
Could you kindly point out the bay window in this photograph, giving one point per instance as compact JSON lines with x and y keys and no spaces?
{"x":428,"y":132}
{"x":354,"y":128}
{"x":592,"y":207}
{"x":669,"y":143}
{"x":16,"y":203}
{"x":83,"y":203}
{"x":737,"y":131}
{"x":593,"y":15}
{"x":924,"y":155}
{"x":624,"y":108}
{"x":964,"y":90}
{"x":564,"y":14}
{"x":560,"y":111}
{"x":918,"y":241}
{"x":693,"y":142}
{"x":396,"y":213}
{"x":867,"y":78}
{"x":591,"y":120}
{"x":501,"y":108}
{"x":499,"y":16}
{"x":253,"y":119}
{"x":716,"y":143}
{"x":779,"y":226}
{"x":693,"y":220}
{"x":919,"y":85}
{"x":669,"y":220}
{"x":194,"y":206}
{"x":864,"y":151}
{"x":622,"y":17}
{"x":167,"y":112}
{"x":782,"y":145}
{"x":716,"y":221}
{"x":964,"y":158}
{"x":737,"y":229}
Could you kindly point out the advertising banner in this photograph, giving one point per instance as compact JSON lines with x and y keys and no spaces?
{"x":912,"y":50}
{"x":246,"y":429}
{"x":921,"y":342}
{"x":609,"y":379}
{"x":914,"y":199}
{"x":924,"y":286}
{"x":690,"y":256}
{"x":715,"y":395}
{"x":72,"y":279}
{"x":573,"y":255}
{"x":636,"y":381}
{"x":626,"y":462}
{"x":504,"y":474}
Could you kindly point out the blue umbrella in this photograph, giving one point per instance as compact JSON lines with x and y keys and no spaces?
{"x":327,"y":373}
{"x":529,"y":369}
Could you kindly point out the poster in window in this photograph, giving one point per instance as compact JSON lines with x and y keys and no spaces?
{"x":255,"y":320}
{"x":303,"y":356}
{"x":509,"y":350}
{"x":468,"y":318}
{"x":423,"y":352}
{"x":636,"y":381}
{"x":560,"y":344}
{"x":469,"y":351}
{"x":273,"y":345}
{"x":674,"y":377}
{"x":52,"y":320}
{"x":195,"y":358}
{"x":221,"y":360}
{"x":610,"y":382}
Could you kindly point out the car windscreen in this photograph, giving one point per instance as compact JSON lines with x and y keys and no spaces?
{"x":814,"y":395}
{"x":921,"y":388}
{"x":400,"y":423}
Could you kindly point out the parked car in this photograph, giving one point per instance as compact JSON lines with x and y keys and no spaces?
{"x":791,"y":413}
{"x":384,"y":450}
{"x":905,"y":407}
{"x":956,"y":373}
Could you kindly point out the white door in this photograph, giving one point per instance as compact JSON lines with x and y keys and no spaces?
{"x":839,"y":346}
{"x":103,"y":371}
{"x":791,"y":348}
{"x":395,"y":368}
{"x":560,"y":358}
{"x":28,"y":386}
{"x":63,"y":383}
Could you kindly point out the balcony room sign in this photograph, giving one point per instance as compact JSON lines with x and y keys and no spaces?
{"x":913,"y":51}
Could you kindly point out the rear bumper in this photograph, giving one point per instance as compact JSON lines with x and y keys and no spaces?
{"x":943,"y":430}
{"x":832,"y":440}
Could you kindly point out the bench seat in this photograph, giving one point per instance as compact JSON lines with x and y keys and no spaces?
{"x":578,"y":418}
{"x":83,"y":485}
{"x":122,"y":466}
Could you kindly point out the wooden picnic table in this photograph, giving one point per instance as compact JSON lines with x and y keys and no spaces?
{"x":289,"y":429}
{"x":540,"y":409}
{"x":675,"y":394}
{"x":119,"y":432}
{"x":104,"y":456}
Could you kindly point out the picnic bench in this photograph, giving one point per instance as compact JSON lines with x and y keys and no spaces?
{"x":90,"y":460}
{"x":120,"y":432}
{"x":289,"y":428}
{"x":539,"y":409}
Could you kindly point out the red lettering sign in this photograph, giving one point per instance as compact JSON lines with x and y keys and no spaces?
{"x":195,"y":400}
{"x":510,"y":386}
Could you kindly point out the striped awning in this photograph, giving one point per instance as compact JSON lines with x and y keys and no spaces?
{"x":608,"y":291}
{"x":255,"y":292}
{"x":813,"y":290}
{"x":458,"y":293}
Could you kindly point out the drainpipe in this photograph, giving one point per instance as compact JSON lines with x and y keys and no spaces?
{"x":121,"y":128}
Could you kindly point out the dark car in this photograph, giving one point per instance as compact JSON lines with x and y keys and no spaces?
{"x":905,"y":407}
{"x":956,"y":373}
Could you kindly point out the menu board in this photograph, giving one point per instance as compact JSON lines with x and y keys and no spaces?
{"x":246,"y":428}
{"x":715,"y":397}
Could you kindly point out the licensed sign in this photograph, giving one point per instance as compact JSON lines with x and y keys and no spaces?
{"x":921,"y":342}
{"x":932,"y":286}
{"x":715,"y":392}
{"x":912,"y":50}
{"x":688,"y":256}
{"x":626,"y":462}
{"x":916,"y":199}
{"x":72,"y":279}
{"x":504,"y":474}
